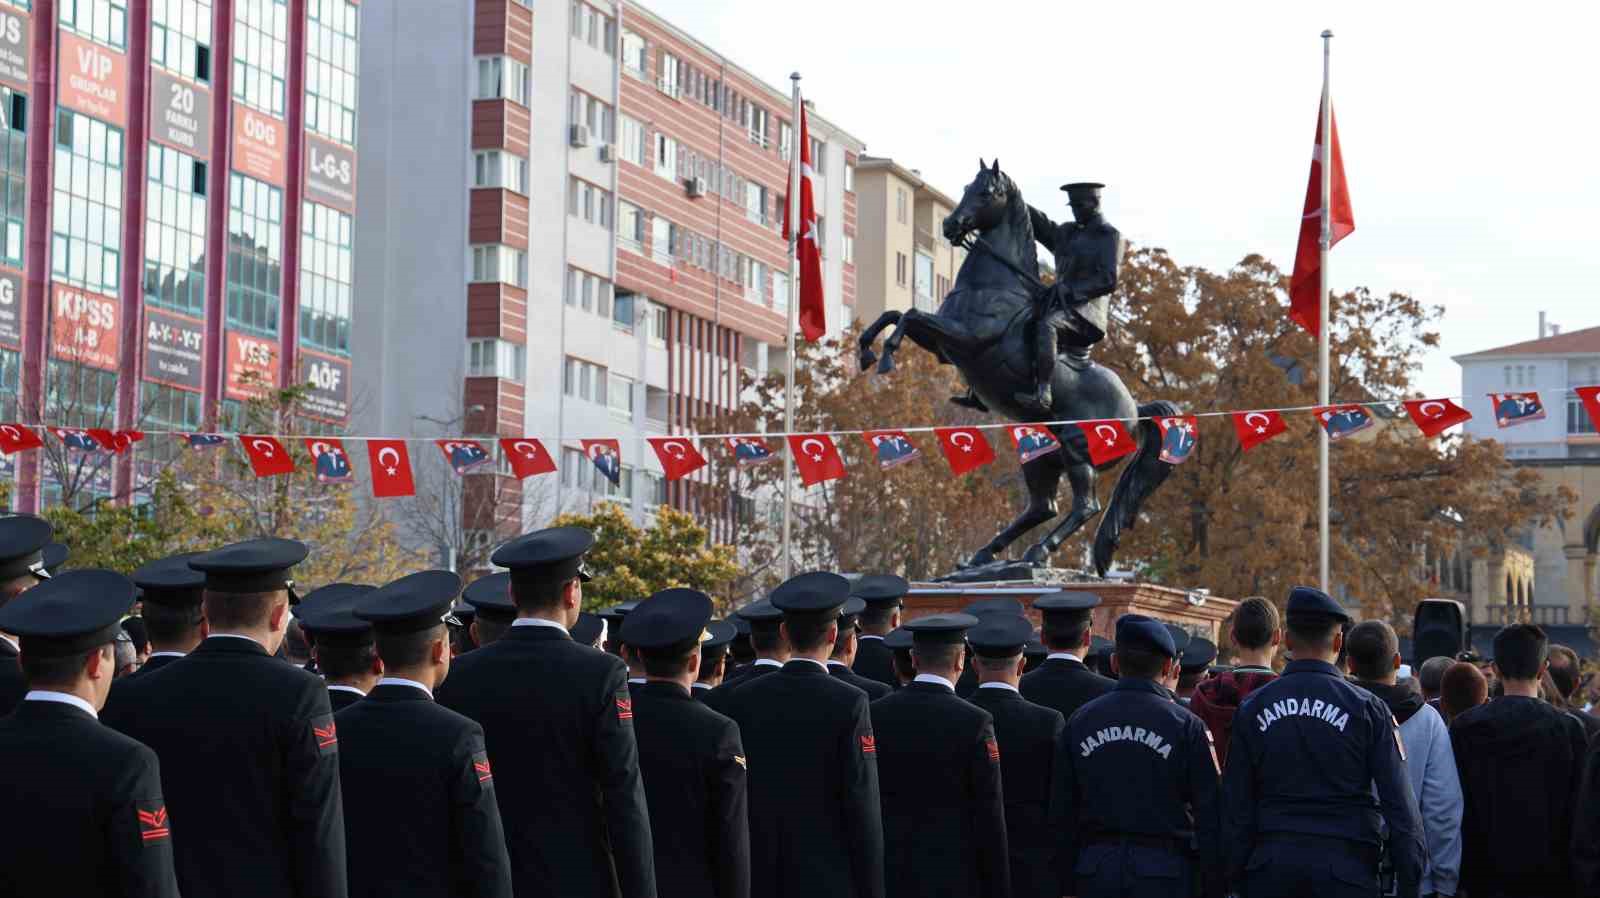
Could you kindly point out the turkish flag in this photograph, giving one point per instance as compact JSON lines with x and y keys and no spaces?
{"x":965,"y":448}
{"x":1305,"y":287}
{"x":463,"y":455}
{"x":108,"y":440}
{"x":1109,"y":440}
{"x":679,"y":457}
{"x":527,"y":457}
{"x":1255,"y":428}
{"x":1341,"y":421}
{"x":1032,"y":442}
{"x":1590,"y":396}
{"x":891,"y":447}
{"x":329,"y":461}
{"x":607,"y":458}
{"x":812,"y":315}
{"x":268,"y":458}
{"x":391,"y":469}
{"x":17,"y":437}
{"x":817,"y":457}
{"x":76,"y":440}
{"x":1435,"y":416}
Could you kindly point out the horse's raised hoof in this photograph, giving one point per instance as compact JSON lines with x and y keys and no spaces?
{"x":868,"y":358}
{"x":1038,"y":555}
{"x":886,"y":364}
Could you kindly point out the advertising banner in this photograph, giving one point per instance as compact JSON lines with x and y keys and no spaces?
{"x":260,"y":145}
{"x":173,"y":347}
{"x":83,"y":327}
{"x":252,"y":366}
{"x":14,"y":28}
{"x":329,"y":377}
{"x":330,"y":174}
{"x":10,"y":309}
{"x":94,"y":80}
{"x":180,"y":113}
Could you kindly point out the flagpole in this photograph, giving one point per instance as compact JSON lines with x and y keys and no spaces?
{"x":1323,"y":245}
{"x":795,"y":132}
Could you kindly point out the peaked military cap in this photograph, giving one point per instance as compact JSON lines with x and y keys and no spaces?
{"x":1135,"y":631}
{"x":1035,"y":649}
{"x":720,"y":635}
{"x":940,"y":629}
{"x":852,"y":607}
{"x":880,"y":589}
{"x":741,"y":624}
{"x":546,"y":557}
{"x":759,"y":611}
{"x":22,"y":541}
{"x":72,"y":613}
{"x":669,"y":618}
{"x":899,"y":639}
{"x":328,"y":613}
{"x":491,"y":595}
{"x":53,"y":556}
{"x":1066,"y":601}
{"x":813,"y":591}
{"x":414,"y":602}
{"x":1307,"y":600}
{"x":1198,"y":655}
{"x":1180,"y":637}
{"x":613,"y":616}
{"x":999,"y":635}
{"x":996,"y":605}
{"x":1083,"y":188}
{"x":1099,"y":645}
{"x":589,"y":630}
{"x":255,"y":565}
{"x":170,"y":581}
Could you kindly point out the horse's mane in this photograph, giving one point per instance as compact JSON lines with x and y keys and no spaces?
{"x":1026,"y":250}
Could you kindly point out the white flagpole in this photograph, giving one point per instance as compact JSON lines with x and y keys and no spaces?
{"x":795,"y":225}
{"x":1326,"y":160}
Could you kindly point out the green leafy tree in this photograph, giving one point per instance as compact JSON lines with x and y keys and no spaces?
{"x":630,"y":562}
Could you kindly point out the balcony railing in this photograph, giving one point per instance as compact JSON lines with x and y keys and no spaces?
{"x":1554,"y":615}
{"x":924,"y":240}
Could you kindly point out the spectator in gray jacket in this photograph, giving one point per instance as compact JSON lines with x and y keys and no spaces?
{"x":1374,"y":654}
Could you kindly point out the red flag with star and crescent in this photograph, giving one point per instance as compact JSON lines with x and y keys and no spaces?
{"x":965,"y":448}
{"x":1255,"y":428}
{"x":1305,"y":286}
{"x":1435,"y":416}
{"x":391,"y":469}
{"x":17,"y":437}
{"x":813,"y":323}
{"x":1108,"y":440}
{"x":679,"y":458}
{"x":527,"y":457}
{"x":816,"y":457}
{"x":268,"y":458}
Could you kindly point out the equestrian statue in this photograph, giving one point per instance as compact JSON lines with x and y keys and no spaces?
{"x":1023,"y":348}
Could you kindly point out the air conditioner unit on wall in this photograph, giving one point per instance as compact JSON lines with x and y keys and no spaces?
{"x":608,"y":153}
{"x":579,"y":136}
{"x":695,"y":186}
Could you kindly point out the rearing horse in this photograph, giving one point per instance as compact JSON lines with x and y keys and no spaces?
{"x":985,"y":328}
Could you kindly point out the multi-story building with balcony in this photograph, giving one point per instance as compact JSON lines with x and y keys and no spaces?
{"x":902,"y":259}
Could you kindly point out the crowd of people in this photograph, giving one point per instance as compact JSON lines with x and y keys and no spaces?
{"x":421,"y":739}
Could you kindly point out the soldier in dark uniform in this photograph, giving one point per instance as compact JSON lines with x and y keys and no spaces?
{"x":1071,"y":314}
{"x":249,"y":752}
{"x":884,"y":594}
{"x":1062,"y":682}
{"x":613,"y":617}
{"x":844,"y":652}
{"x":170,"y":592}
{"x":1033,"y":655}
{"x":1194,"y":661}
{"x":461,"y":641}
{"x":590,"y":630}
{"x":54,"y":556}
{"x":1307,"y":748}
{"x":342,"y":643}
{"x":898,"y":642}
{"x":490,"y":598}
{"x":772,"y":650}
{"x":22,"y":541}
{"x":1136,"y":787}
{"x":1028,"y":734}
{"x":740,"y":652}
{"x":944,"y":823}
{"x":1098,"y":658}
{"x":420,"y":812}
{"x":558,"y":721}
{"x":713,"y":658}
{"x":690,"y":757}
{"x":815,"y":827}
{"x":85,"y":814}
{"x":967,"y":684}
{"x":1586,"y":824}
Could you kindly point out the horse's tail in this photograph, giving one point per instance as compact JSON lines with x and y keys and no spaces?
{"x":1138,"y":480}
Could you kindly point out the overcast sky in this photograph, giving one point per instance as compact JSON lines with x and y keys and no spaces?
{"x":1469,"y":140}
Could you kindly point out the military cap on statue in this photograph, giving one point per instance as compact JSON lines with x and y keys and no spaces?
{"x":759,"y":611}
{"x":75,"y":612}
{"x":53,"y":556}
{"x":1180,"y":637}
{"x":880,"y":589}
{"x":670,"y":618}
{"x":720,"y":635}
{"x":255,"y":565}
{"x":1135,"y":631}
{"x":414,"y":602}
{"x":996,"y":605}
{"x":491,"y":596}
{"x":1197,"y":655}
{"x":546,"y":557}
{"x":1083,"y":188}
{"x":170,"y":581}
{"x":1309,"y":601}
{"x":940,"y":629}
{"x":22,"y":541}
{"x":813,"y":592}
{"x":1000,"y":635}
{"x":589,"y":630}
{"x":328,"y":613}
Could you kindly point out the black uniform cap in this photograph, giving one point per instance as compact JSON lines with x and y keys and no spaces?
{"x":328,"y":613}
{"x":1099,"y":645}
{"x":849,"y":610}
{"x":671,"y":617}
{"x":463,"y":612}
{"x":997,"y":605}
{"x":1180,"y":637}
{"x":814,"y":592}
{"x":1089,"y":188}
{"x":759,"y":611}
{"x":1135,"y":631}
{"x":1311,"y":602}
{"x":880,"y":589}
{"x":255,"y":565}
{"x":1035,"y":649}
{"x":721,"y":635}
{"x":589,"y":630}
{"x":490,"y":596}
{"x":1064,"y":608}
{"x":412,"y":603}
{"x":22,"y":541}
{"x":941,"y":629}
{"x":741,"y":625}
{"x":1198,"y":655}
{"x":614,"y":615}
{"x":75,"y":612}
{"x":546,"y":557}
{"x":53,"y":556}
{"x":999,"y":635}
{"x":899,"y":639}
{"x":170,"y":581}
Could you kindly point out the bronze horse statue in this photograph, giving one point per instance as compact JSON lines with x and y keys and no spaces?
{"x":985,"y":328}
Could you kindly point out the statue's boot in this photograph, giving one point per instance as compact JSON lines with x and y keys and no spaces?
{"x":970,"y":400}
{"x":1041,"y":400}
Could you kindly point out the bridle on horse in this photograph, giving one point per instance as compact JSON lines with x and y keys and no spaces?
{"x":974,"y":240}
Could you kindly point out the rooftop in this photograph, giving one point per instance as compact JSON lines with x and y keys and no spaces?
{"x":1580,"y":342}
{"x":910,"y":176}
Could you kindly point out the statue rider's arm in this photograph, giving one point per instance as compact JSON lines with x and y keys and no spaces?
{"x":1044,"y":230}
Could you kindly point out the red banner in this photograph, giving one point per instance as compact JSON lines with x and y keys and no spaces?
{"x":679,"y":458}
{"x":816,"y":457}
{"x":891,"y":448}
{"x":607,"y":458}
{"x":17,"y":437}
{"x":268,"y":458}
{"x":1032,"y":441}
{"x":1108,"y":440}
{"x":391,"y":469}
{"x":1342,"y":421}
{"x":527,"y":457}
{"x":83,"y":327}
{"x":329,"y":460}
{"x":965,"y":448}
{"x":463,"y":455}
{"x":1255,"y":428}
{"x":1590,"y":396}
{"x":252,"y":369}
{"x":1435,"y":416}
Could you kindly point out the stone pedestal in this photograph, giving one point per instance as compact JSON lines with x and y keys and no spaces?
{"x":1200,"y":614}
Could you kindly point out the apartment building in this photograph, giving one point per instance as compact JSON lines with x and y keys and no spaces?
{"x":903,"y":261}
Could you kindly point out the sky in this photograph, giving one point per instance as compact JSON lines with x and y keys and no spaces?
{"x":1468,"y":139}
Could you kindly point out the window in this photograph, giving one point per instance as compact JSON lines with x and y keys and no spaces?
{"x":583,"y":380}
{"x":1508,"y":375}
{"x":169,"y":408}
{"x":633,"y":140}
{"x":326,"y":275}
{"x":81,"y":396}
{"x":668,"y":68}
{"x":922,"y":277}
{"x":1578,"y":420}
{"x":595,"y":114}
{"x":87,"y":220}
{"x":331,"y":68}
{"x":496,"y":262}
{"x":849,"y":250}
{"x":657,"y":317}
{"x":261,"y":54}
{"x":10,"y":383}
{"x":103,"y":20}
{"x":622,"y":313}
{"x":13,"y":174}
{"x":588,"y":202}
{"x":754,"y":276}
{"x":666,"y":157}
{"x":502,"y":78}
{"x":255,"y":253}
{"x":592,"y":27}
{"x":175,"y":231}
{"x":820,"y":235}
{"x":900,"y":205}
{"x":630,"y":226}
{"x":498,"y":168}
{"x":849,"y":178}
{"x":180,"y":37}
{"x":756,"y":124}
{"x":653,"y":491}
{"x":634,"y":61}
{"x":785,"y":141}
{"x":661,"y":240}
{"x":497,"y":358}
{"x":589,"y":292}
{"x":619,"y":395}
{"x":819,"y":157}
{"x":755,"y":202}
{"x":900,"y":269}
{"x":780,"y":290}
